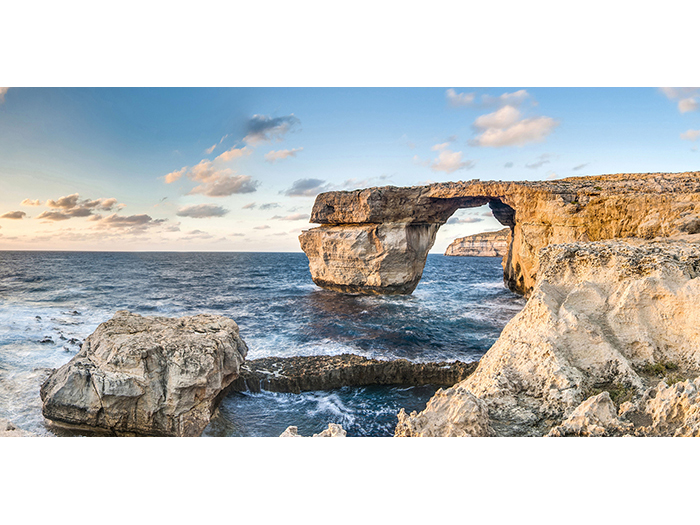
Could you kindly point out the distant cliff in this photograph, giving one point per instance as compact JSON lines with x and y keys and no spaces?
{"x":487,"y":244}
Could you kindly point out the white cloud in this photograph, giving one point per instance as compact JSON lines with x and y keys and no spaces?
{"x":449,"y":161}
{"x":686,"y":97}
{"x":215,"y":182}
{"x":691,"y":134}
{"x":541,"y":161}
{"x":234,"y":153}
{"x":202,"y":211}
{"x":3,"y":90}
{"x":307,"y":188}
{"x":262,"y":128}
{"x":274,"y":156}
{"x":29,"y":202}
{"x":505,"y":128}
{"x":463,"y":220}
{"x":294,"y":217}
{"x":209,"y":151}
{"x":459,"y":99}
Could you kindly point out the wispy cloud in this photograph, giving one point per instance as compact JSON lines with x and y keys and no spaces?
{"x":270,"y":205}
{"x":3,"y":90}
{"x":516,"y":98}
{"x":263,"y":227}
{"x":215,"y":182}
{"x":691,"y":134}
{"x":234,"y":153}
{"x":274,"y":156}
{"x":249,"y":206}
{"x":262,"y":128}
{"x":130,"y":222}
{"x":464,"y":220}
{"x":541,"y":161}
{"x":202,"y":211}
{"x":209,"y":151}
{"x":307,"y":188}
{"x":14,"y":215}
{"x":294,"y":217}
{"x":580,"y":166}
{"x":505,"y":127}
{"x":29,"y":202}
{"x":508,"y":165}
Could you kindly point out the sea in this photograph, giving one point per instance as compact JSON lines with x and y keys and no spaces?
{"x":51,"y":301}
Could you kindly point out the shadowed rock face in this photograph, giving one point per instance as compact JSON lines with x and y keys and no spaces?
{"x":299,"y":374}
{"x":376,"y":240}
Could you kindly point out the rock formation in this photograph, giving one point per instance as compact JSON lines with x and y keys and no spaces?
{"x":324,"y":372}
{"x":147,"y":375}
{"x":376,"y":240}
{"x":487,"y":244}
{"x":608,"y":317}
{"x":7,"y":429}
{"x":333,"y":430}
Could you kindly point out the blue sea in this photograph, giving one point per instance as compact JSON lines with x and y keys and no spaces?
{"x":51,"y":301}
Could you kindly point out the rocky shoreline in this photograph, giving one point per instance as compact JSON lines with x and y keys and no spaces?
{"x":325,"y":372}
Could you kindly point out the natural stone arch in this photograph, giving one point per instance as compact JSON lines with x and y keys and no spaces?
{"x":376,"y":240}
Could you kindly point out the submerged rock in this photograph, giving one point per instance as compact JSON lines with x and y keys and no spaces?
{"x":333,"y":430}
{"x":147,"y":375}
{"x":609,"y":317}
{"x":324,"y":372}
{"x":7,"y":429}
{"x":487,"y":244}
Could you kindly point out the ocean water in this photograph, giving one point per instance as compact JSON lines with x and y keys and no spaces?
{"x":51,"y":301}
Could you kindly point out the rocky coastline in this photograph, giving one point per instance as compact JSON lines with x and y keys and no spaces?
{"x":487,"y":244}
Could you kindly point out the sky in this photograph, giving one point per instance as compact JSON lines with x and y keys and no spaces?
{"x":238,"y":169}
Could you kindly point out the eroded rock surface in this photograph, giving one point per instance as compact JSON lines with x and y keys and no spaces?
{"x":488,"y":244}
{"x":607,"y":316}
{"x":147,"y":375}
{"x":298,"y":374}
{"x":376,"y":240}
{"x":333,"y":430}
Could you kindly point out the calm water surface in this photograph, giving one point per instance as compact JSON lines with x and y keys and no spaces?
{"x":51,"y":301}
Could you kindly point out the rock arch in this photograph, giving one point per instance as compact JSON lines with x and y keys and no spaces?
{"x":376,"y":240}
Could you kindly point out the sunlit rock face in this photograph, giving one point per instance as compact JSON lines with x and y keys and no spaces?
{"x":614,"y":317}
{"x":376,"y":240}
{"x":487,"y":244}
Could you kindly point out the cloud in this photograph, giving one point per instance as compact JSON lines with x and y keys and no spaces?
{"x":215,"y":182}
{"x":464,"y":220}
{"x":505,"y":128}
{"x":364,"y":183}
{"x":293,"y":217}
{"x":249,"y":206}
{"x":274,"y":156}
{"x":3,"y":90}
{"x":202,"y":211}
{"x":73,"y":206}
{"x":457,"y":100}
{"x":270,"y":205}
{"x":29,"y":202}
{"x":417,"y":160}
{"x":196,"y":234}
{"x":209,"y":151}
{"x":541,"y":161}
{"x":450,"y":161}
{"x":686,"y":97}
{"x":262,"y":128}
{"x":263,"y":227}
{"x":552,"y":176}
{"x":691,"y":134}
{"x":306,"y":188}
{"x":14,"y":215}
{"x":53,"y":216}
{"x":234,"y":153}
{"x":133,"y":222}
{"x":580,"y":166}
{"x":508,"y":165}
{"x":516,"y":98}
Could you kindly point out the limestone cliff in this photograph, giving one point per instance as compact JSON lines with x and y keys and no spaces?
{"x":619,"y":317}
{"x":376,"y":240}
{"x":487,"y":244}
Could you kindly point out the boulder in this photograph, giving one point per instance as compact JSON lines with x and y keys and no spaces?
{"x":147,"y":375}
{"x":333,"y":430}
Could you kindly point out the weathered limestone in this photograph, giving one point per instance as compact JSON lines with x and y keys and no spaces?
{"x":324,"y":372}
{"x":147,"y":375}
{"x":333,"y":430}
{"x":487,"y":244}
{"x":375,"y":240}
{"x":606,"y":316}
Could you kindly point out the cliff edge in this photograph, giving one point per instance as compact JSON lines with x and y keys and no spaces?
{"x":486,"y":244}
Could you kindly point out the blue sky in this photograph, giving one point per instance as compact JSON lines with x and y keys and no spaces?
{"x":238,"y":169}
